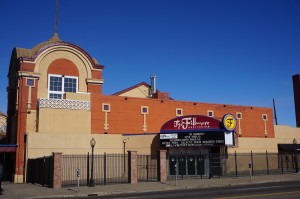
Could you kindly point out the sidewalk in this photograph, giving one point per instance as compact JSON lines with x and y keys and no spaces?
{"x":16,"y":191}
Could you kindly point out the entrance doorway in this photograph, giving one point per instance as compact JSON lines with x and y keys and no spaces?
{"x":203,"y":162}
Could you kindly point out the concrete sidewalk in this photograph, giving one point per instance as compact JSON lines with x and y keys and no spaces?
{"x":15,"y":191}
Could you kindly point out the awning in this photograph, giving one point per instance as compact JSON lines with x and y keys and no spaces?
{"x":288,"y":148}
{"x":8,"y":147}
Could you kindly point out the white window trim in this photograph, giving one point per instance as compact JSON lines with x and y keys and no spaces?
{"x":266,"y":115}
{"x":237,"y":113}
{"x":210,"y":111}
{"x":143,"y":113}
{"x":63,"y":84}
{"x":30,"y":79}
{"x":105,"y":104}
{"x":179,"y":109}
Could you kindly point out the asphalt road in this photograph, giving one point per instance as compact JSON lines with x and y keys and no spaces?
{"x":282,"y":190}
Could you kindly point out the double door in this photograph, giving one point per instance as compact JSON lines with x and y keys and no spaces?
{"x":191,"y":165}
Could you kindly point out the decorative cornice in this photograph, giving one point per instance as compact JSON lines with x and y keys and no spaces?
{"x":95,"y":81}
{"x":44,"y":46}
{"x":64,"y":104}
{"x":29,"y":74}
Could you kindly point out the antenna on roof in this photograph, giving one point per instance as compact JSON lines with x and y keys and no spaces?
{"x":56,"y":17}
{"x":275,"y":115}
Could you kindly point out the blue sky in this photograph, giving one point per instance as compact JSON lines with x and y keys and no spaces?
{"x":241,"y":52}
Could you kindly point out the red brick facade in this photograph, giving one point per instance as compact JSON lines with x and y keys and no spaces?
{"x":57,"y":170}
{"x":125,"y":116}
{"x":133,"y":170}
{"x":163,"y":166}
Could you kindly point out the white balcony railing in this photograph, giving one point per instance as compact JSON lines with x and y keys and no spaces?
{"x":64,"y":104}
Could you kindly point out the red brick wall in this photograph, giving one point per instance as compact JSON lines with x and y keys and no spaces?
{"x":57,"y":169}
{"x":21,"y":128}
{"x":132,"y":173}
{"x":163,"y":166}
{"x":96,"y":109}
{"x":126,"y":117}
{"x":63,"y":67}
{"x":27,"y":67}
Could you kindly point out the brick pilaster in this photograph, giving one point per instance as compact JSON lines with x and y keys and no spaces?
{"x":57,"y":169}
{"x":163,"y":166}
{"x":132,"y":167}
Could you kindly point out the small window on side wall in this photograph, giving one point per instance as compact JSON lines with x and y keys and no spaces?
{"x":30,"y":82}
{"x":105,"y":107}
{"x":144,"y":110}
{"x":210,"y":113}
{"x":179,"y":112}
{"x":238,"y":115}
{"x":265,"y":117}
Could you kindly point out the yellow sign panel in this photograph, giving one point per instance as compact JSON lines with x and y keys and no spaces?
{"x":229,"y":122}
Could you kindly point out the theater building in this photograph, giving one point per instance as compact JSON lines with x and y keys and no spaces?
{"x":55,"y":104}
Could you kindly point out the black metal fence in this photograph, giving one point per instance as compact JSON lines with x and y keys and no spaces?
{"x":147,"y":166}
{"x":40,"y":171}
{"x":107,"y":169}
{"x":113,"y":168}
{"x":185,"y":166}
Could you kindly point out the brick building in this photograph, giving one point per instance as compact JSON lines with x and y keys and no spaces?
{"x":55,"y":104}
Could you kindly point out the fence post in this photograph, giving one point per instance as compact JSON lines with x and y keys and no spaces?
{"x":132,"y":167}
{"x":235,"y":159}
{"x":281,"y":163}
{"x":104,"y":168}
{"x":147,"y":166}
{"x":267,"y":162}
{"x":57,"y":168}
{"x":163,"y":166}
{"x":44,"y":171}
{"x":252,"y":163}
{"x":88,"y":169}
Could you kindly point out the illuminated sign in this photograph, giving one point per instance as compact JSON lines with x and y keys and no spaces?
{"x":190,"y":122}
{"x":197,"y":130}
{"x":229,"y":122}
{"x":194,"y":139}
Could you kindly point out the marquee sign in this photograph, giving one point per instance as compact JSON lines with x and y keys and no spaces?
{"x":194,"y":139}
{"x":197,"y":130}
{"x":190,"y":122}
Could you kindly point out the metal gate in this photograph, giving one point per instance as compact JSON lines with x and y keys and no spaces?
{"x":147,"y":168}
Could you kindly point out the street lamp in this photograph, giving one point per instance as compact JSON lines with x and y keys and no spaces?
{"x":295,"y":155}
{"x":124,"y":149}
{"x":93,"y":143}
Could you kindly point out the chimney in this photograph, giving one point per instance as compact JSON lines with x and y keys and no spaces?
{"x":153,"y":84}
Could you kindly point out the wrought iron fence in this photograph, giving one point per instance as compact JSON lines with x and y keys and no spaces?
{"x":108,"y":169}
{"x":186,"y":166}
{"x":147,"y":168}
{"x":113,"y":168}
{"x":40,"y":171}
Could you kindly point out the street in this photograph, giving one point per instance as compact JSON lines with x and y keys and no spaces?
{"x":273,"y":190}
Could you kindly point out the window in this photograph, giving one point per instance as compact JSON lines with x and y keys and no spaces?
{"x":179,"y":112}
{"x":265,"y":117}
{"x":105,"y":107}
{"x":59,"y":84}
{"x":30,"y":82}
{"x":210,"y":113}
{"x":144,"y":109}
